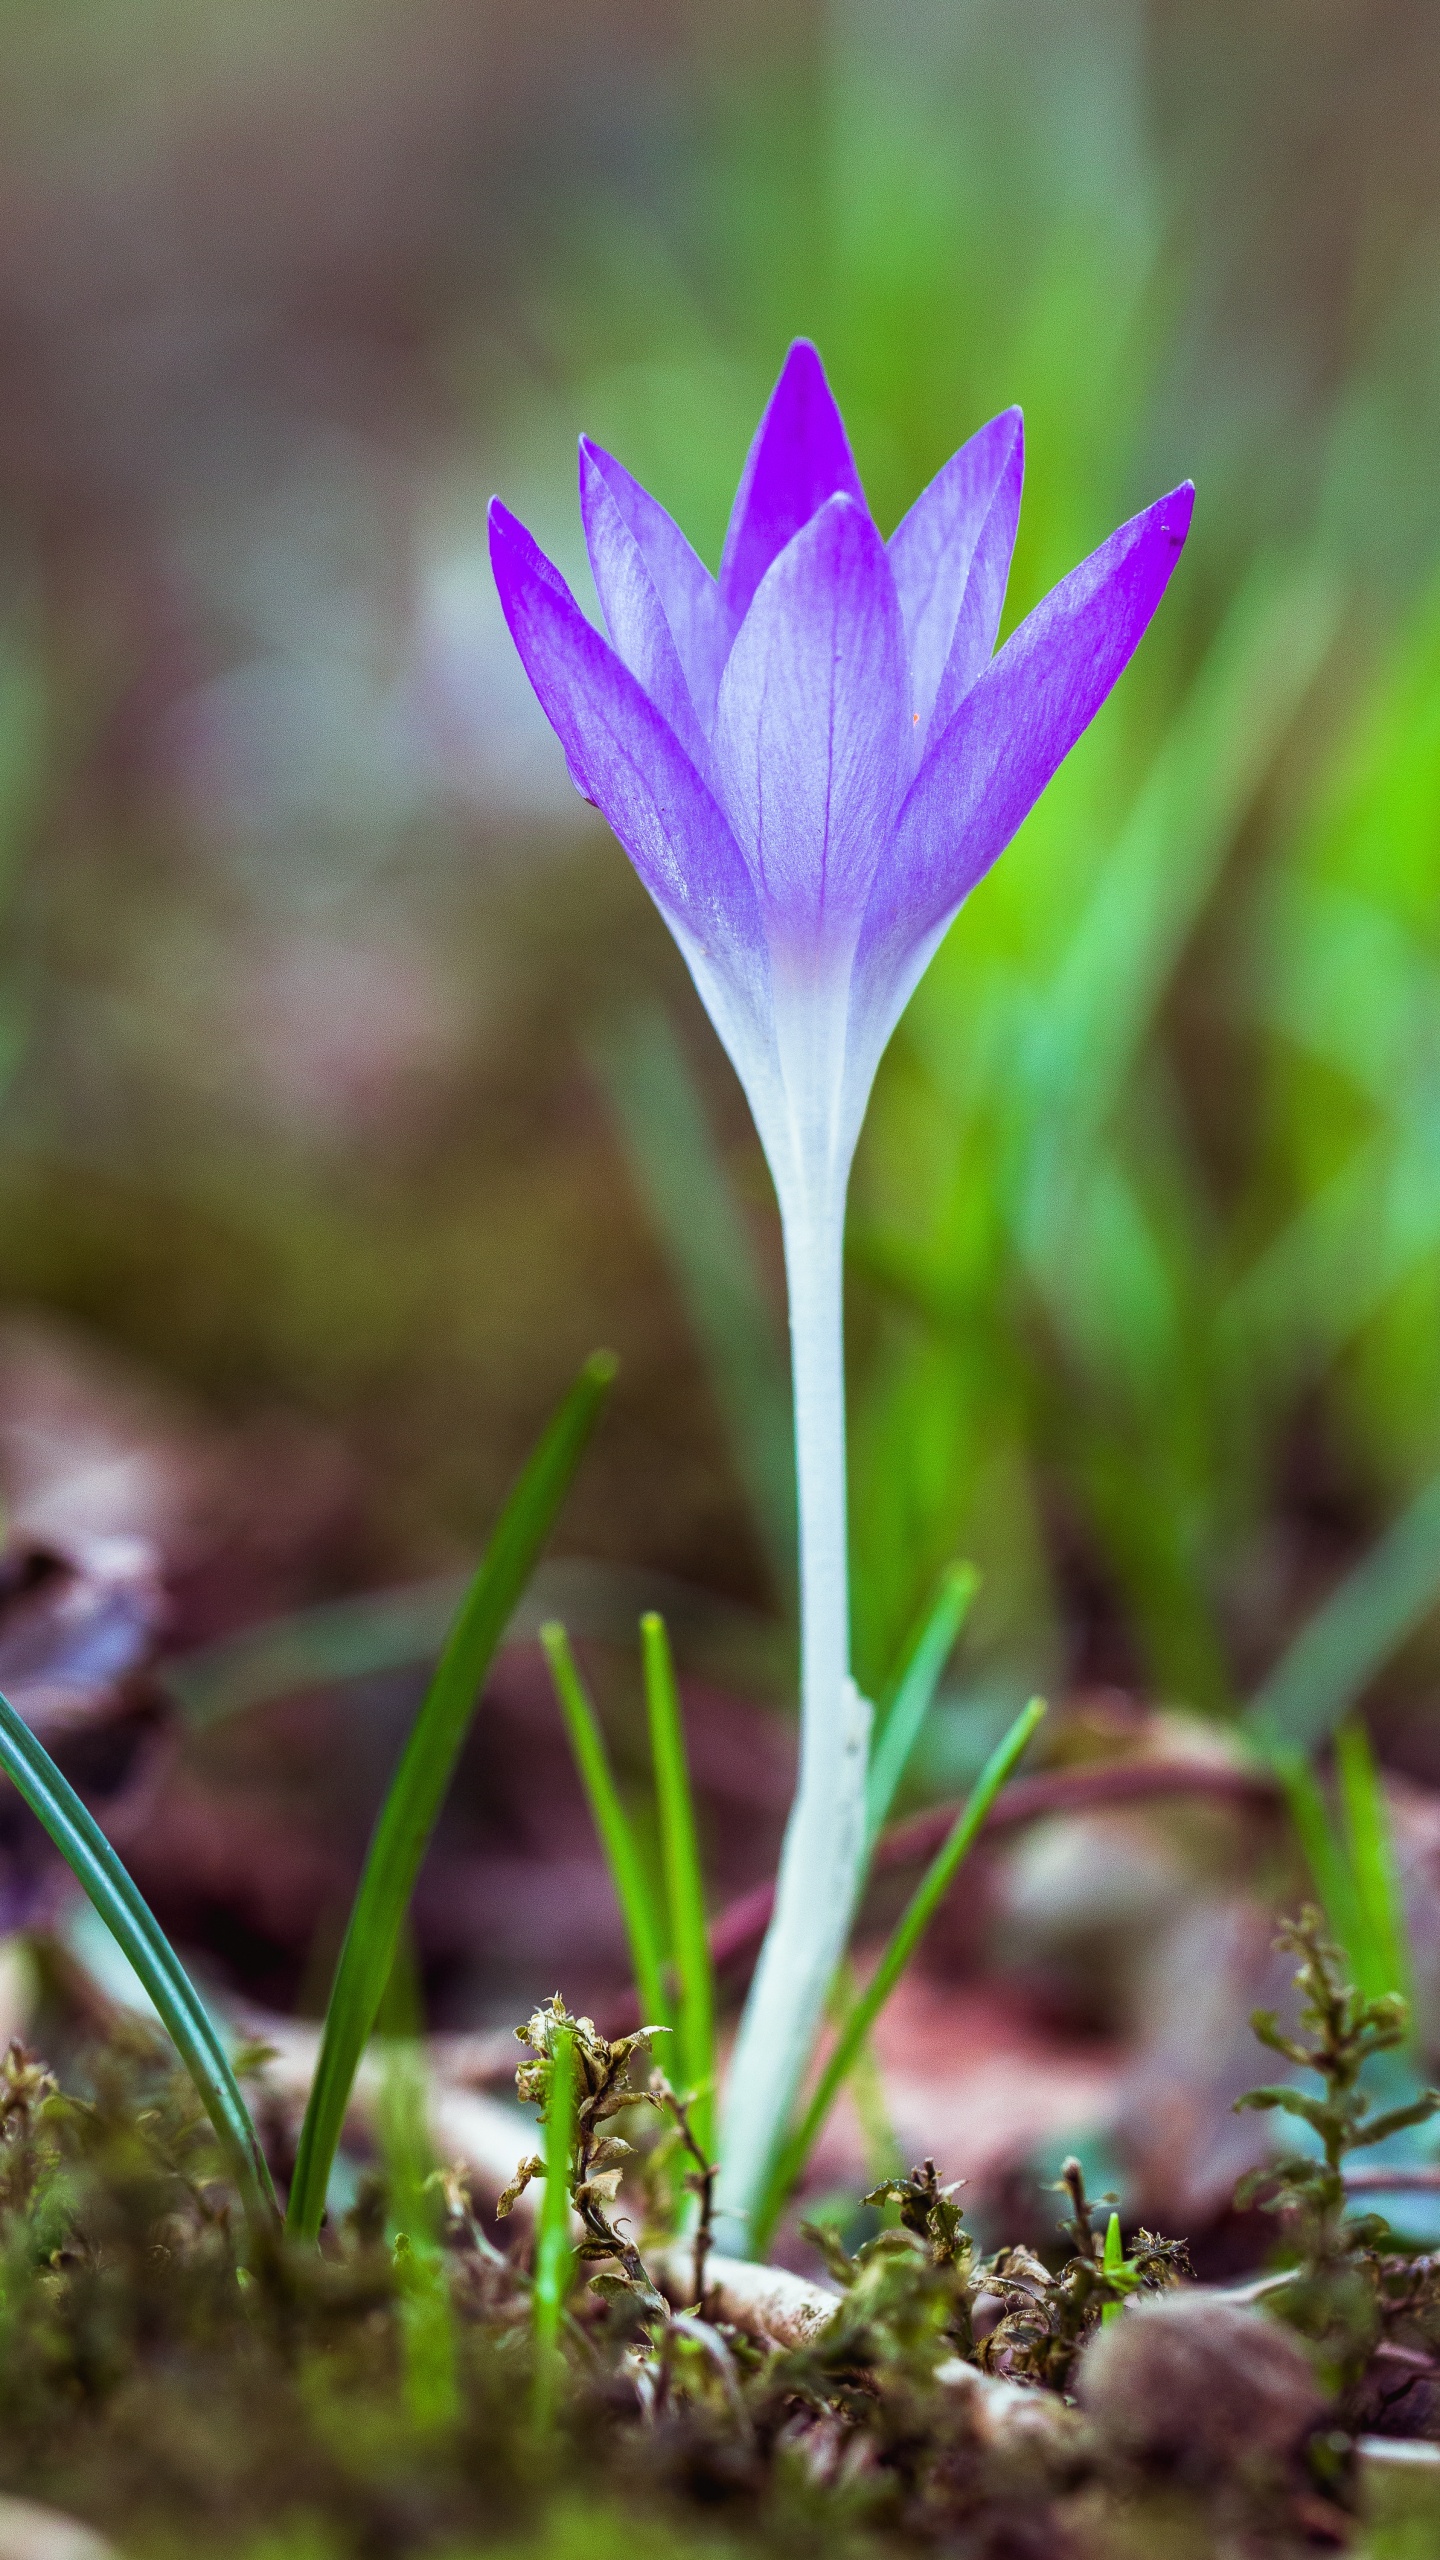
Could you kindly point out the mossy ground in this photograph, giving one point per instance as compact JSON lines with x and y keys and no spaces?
{"x":187,"y":2390}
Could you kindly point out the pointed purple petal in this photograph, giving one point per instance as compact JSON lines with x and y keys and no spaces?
{"x":951,"y":558}
{"x":800,"y":457}
{"x":811,"y":742}
{"x":689,"y":597}
{"x":626,"y":758}
{"x":986,"y":769}
{"x":634,"y":613}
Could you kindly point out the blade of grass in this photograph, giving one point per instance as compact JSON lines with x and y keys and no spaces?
{"x":914,"y":1692}
{"x":1353,"y":1633}
{"x":415,"y":2223}
{"x":315,"y":1648}
{"x":552,"y":2240}
{"x":133,"y":1925}
{"x":1324,"y":1852}
{"x":911,"y":1928}
{"x":342,"y":1640}
{"x":426,"y":2320}
{"x":883,"y":2157}
{"x":684,"y":1886}
{"x":706,"y":1234}
{"x":1114,"y":2263}
{"x":417,"y":1790}
{"x":627,"y":1870}
{"x":400,"y":1629}
{"x":1372,"y":1862}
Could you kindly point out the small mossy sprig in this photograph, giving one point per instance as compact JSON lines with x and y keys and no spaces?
{"x":1342,"y":2031}
{"x":602,"y":2090}
{"x":908,"y":2293}
{"x":924,"y":2283}
{"x":1049,"y":2313}
{"x":1351,"y":2286}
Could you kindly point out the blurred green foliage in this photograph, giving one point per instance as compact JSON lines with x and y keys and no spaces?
{"x":1145,"y":1232}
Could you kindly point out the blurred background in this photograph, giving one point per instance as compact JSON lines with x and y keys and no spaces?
{"x":352,"y":1090}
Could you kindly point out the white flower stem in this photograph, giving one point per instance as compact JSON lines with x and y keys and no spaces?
{"x":825,"y":1838}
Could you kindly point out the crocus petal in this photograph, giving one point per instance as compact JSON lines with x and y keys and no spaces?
{"x":800,"y":457}
{"x":989,"y":765}
{"x":689,"y":597}
{"x":951,"y":558}
{"x":626,"y":758}
{"x":634,"y":612}
{"x":810,"y":742}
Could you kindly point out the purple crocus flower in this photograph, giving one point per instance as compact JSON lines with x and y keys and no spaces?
{"x":811,"y":760}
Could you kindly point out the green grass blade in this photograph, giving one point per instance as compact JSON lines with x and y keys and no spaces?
{"x":684,"y":1886}
{"x":405,"y":1627}
{"x":1122,"y":953}
{"x":915,"y":1689}
{"x":417,"y":1790}
{"x":428,"y":2345}
{"x":911,"y":1928}
{"x":706,"y":1234}
{"x":315,"y":1648}
{"x":1114,"y":2265}
{"x":135,"y":1929}
{"x":627,"y":1871}
{"x":553,"y":2261}
{"x":1324,"y":1851}
{"x":883,"y":2156}
{"x":1372,"y":1864}
{"x":1353,"y":1633}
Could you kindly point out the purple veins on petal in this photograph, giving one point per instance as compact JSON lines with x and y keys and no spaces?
{"x":951,"y":558}
{"x":811,"y":742}
{"x":624,"y":755}
{"x":800,"y":457}
{"x":688,"y":595}
{"x":983,"y":773}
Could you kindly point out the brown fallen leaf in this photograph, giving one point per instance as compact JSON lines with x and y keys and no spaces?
{"x":80,"y":1628}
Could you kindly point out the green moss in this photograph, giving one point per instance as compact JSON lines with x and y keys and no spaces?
{"x":187,"y":2393}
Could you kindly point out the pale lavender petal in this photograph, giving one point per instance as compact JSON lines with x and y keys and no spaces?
{"x":978,"y":621}
{"x":810,"y":746}
{"x":986,"y":769}
{"x":634,"y":612}
{"x":624,"y":756}
{"x":689,"y":597}
{"x":800,"y":457}
{"x":951,"y":558}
